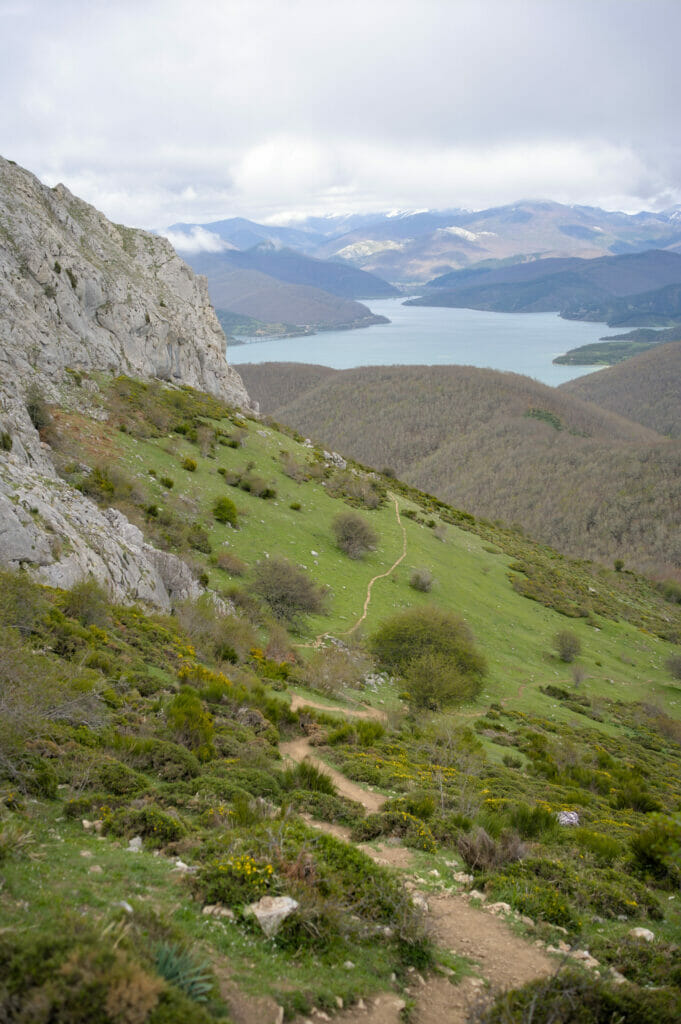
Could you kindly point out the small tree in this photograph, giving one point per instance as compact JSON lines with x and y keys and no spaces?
{"x":567,"y":645}
{"x":434,"y":651}
{"x":224,"y":510}
{"x":354,"y":535}
{"x":190,"y":723}
{"x":287,"y":589}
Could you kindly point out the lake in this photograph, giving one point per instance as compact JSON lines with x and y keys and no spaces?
{"x":428,"y":335}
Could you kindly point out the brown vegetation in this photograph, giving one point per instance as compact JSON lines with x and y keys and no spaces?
{"x":578,"y":477}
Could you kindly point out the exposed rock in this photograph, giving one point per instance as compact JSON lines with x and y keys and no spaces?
{"x":568,"y":818}
{"x":271,"y":911}
{"x":79,"y":293}
{"x":135,"y":845}
{"x":642,"y":933}
{"x":252,"y":718}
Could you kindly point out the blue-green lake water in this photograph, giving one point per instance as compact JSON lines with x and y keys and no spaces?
{"x":426,"y":335}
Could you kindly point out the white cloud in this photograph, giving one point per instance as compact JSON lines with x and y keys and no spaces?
{"x":171,"y":111}
{"x":197,"y":239}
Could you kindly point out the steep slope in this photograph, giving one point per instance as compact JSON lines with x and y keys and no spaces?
{"x":79,"y":294}
{"x":264,"y":298}
{"x":502,"y":446}
{"x":646,"y":388}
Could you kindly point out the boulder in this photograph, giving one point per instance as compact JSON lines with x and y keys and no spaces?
{"x":644,"y":934}
{"x":271,"y":911}
{"x":568,"y":818}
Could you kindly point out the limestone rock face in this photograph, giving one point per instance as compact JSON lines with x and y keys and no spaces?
{"x":80,"y":293}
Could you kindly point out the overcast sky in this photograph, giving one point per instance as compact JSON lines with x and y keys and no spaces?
{"x":196,"y":110}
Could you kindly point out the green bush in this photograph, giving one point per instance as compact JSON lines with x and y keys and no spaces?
{"x":115,"y":777}
{"x":88,"y":602}
{"x":167,"y":482}
{"x":190,"y":723}
{"x":189,"y":464}
{"x":353,"y":534}
{"x":5,"y":441}
{"x":224,"y":510}
{"x":604,"y":849}
{"x":656,"y":851}
{"x":150,"y":822}
{"x":575,"y":997}
{"x":673,"y":666}
{"x":410,"y":635}
{"x":178,"y":967}
{"x":37,"y":409}
{"x":307,"y":775}
{"x":234,"y":880}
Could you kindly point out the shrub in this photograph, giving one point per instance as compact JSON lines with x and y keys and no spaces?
{"x":5,"y":441}
{"x":567,"y":645}
{"x":481,"y":852}
{"x":155,"y":825}
{"x":234,"y":880}
{"x":287,"y":589}
{"x":224,"y":510}
{"x":673,"y":666}
{"x":230,"y":563}
{"x":190,"y":723}
{"x":353,"y":534}
{"x":167,"y":482}
{"x":656,"y":851}
{"x":88,"y":602}
{"x":331,"y":669}
{"x":114,"y":777}
{"x":198,"y":539}
{"x":307,"y":775}
{"x":189,"y":465}
{"x":575,"y":997}
{"x":435,"y":652}
{"x":296,"y":506}
{"x":422,"y":580}
{"x":37,"y":409}
{"x":604,"y":849}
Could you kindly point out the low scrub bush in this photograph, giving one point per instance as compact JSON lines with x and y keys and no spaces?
{"x":190,"y":723}
{"x":567,"y":645}
{"x":656,"y":851}
{"x":234,"y":881}
{"x":179,"y":967}
{"x":353,"y":534}
{"x":307,"y":775}
{"x":189,"y":464}
{"x":575,"y":997}
{"x":156,"y":826}
{"x":481,"y":852}
{"x":604,"y":849}
{"x":421,"y":580}
{"x":88,"y":602}
{"x":332,"y":669}
{"x":287,"y":589}
{"x":115,"y":777}
{"x":231,"y":563}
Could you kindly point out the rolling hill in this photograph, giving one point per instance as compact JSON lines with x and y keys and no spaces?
{"x":268,"y":300}
{"x":645,"y":388}
{"x":249,"y":771}
{"x":636,"y":289}
{"x":578,"y":477}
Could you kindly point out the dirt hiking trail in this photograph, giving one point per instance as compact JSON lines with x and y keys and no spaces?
{"x":503,"y":959}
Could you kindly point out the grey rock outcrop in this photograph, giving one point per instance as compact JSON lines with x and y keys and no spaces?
{"x":78,"y":293}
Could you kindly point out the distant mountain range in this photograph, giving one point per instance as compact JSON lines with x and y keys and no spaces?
{"x":630,"y":290}
{"x":410,"y":248}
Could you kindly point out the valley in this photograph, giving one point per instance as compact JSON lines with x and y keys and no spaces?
{"x":295,"y":722}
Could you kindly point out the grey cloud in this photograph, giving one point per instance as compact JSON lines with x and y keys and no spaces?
{"x":259,"y":105}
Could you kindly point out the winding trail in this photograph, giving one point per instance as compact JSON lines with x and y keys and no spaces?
{"x":302,"y":750}
{"x":381,"y":575}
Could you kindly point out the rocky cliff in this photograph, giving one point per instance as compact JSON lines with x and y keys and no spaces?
{"x":80,"y":293}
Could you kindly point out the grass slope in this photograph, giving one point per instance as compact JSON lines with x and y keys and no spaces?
{"x":168,"y":727}
{"x":502,"y":446}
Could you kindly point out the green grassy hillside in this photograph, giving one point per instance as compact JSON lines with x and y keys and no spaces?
{"x":502,"y":446}
{"x":120,"y":725}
